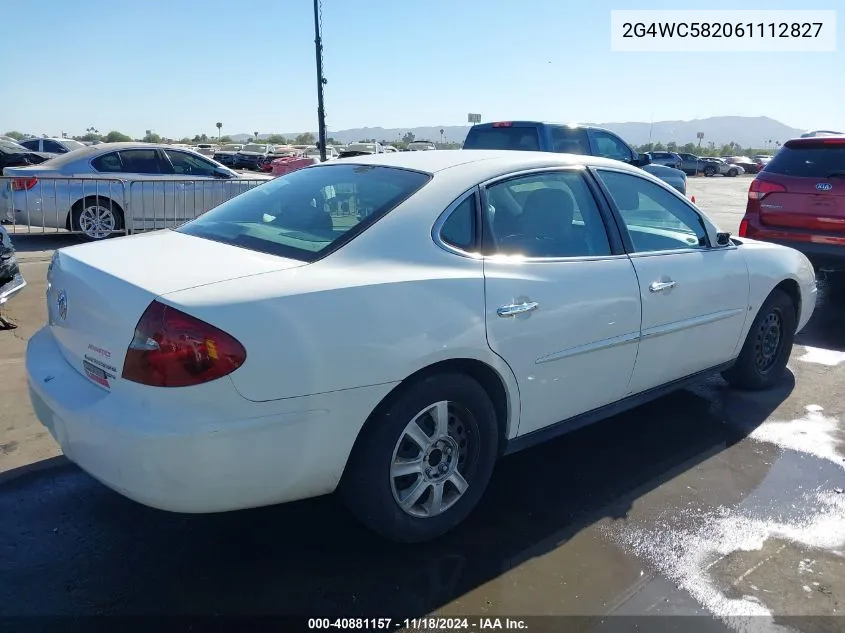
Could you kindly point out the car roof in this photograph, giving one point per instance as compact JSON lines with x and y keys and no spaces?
{"x":494,"y":161}
{"x":574,"y":126}
{"x":92,"y":151}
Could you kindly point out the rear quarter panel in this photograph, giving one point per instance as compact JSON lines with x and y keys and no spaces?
{"x":771,"y":264}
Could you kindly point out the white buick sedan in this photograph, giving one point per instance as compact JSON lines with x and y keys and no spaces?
{"x":389,"y":326}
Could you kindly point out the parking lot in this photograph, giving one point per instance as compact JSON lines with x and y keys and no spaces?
{"x":706,"y":502}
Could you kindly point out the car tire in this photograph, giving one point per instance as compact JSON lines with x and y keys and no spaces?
{"x":733,"y":173}
{"x":762,"y":361}
{"x":709,"y":171}
{"x":373,"y":486}
{"x":84,"y":224}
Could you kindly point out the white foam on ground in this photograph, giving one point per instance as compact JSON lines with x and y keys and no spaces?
{"x":823,"y":356}
{"x":685,"y":556}
{"x":814,"y":434}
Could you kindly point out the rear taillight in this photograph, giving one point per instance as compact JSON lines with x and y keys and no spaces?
{"x":759,"y":189}
{"x":174,"y":349}
{"x":23,"y":184}
{"x":743,"y":228}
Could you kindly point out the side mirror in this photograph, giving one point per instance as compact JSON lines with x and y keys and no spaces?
{"x":641,"y":160}
{"x":723,"y":239}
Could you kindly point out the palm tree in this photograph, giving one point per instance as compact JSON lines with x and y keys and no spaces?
{"x":219,"y":127}
{"x":256,"y":137}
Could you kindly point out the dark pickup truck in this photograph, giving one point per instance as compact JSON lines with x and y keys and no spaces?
{"x":567,"y":139}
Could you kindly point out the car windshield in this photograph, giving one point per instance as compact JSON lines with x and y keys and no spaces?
{"x":308,"y":213}
{"x":254,"y":148}
{"x":71,"y":144}
{"x":808,"y":160}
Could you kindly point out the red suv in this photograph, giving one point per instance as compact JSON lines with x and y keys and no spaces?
{"x":798,"y":200}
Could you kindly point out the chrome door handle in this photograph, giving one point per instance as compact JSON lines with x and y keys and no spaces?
{"x":515,"y":309}
{"x":660,"y":286}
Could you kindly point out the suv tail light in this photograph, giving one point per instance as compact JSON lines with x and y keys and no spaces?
{"x":743,"y":228}
{"x":503,"y":124}
{"x":759,"y":189}
{"x":174,"y":349}
{"x":24,"y":184}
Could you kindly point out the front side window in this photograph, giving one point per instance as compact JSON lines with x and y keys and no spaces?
{"x":655,"y":218}
{"x":550,"y":214}
{"x":54,"y":147}
{"x":309,"y":212}
{"x":611,"y":146}
{"x":570,"y":140}
{"x":190,"y":165}
{"x":31,"y":144}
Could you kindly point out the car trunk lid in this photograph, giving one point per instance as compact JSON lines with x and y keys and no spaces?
{"x":806,"y":186}
{"x":96,"y":293}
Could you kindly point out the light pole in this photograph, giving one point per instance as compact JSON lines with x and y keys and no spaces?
{"x":321,"y":81}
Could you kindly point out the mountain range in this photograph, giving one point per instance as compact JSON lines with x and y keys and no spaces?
{"x":747,"y":131}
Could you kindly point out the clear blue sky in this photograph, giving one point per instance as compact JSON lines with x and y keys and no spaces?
{"x":178,"y":66}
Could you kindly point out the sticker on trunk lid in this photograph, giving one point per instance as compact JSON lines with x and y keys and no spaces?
{"x":98,"y":371}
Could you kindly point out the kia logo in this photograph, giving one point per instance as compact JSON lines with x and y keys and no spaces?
{"x":824,"y":186}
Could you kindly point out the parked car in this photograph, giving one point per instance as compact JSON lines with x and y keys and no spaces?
{"x":52,"y":145}
{"x":421,"y":146}
{"x":570,"y":139}
{"x":251,"y":155}
{"x":14,"y":155}
{"x":89,"y":190}
{"x":670,"y":159}
{"x":288,"y":164}
{"x":712,"y":166}
{"x":11,"y":279}
{"x":222,"y":367}
{"x":364,"y":148}
{"x":225,"y":155}
{"x":206,"y":149}
{"x":748,"y":165}
{"x":691,"y":164}
{"x":798,"y":200}
{"x":761,"y":160}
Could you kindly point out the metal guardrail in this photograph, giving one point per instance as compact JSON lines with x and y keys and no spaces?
{"x":97,"y":207}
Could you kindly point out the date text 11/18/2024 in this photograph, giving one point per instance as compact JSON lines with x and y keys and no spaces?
{"x":430,"y":623}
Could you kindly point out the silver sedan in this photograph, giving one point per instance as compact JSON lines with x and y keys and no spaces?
{"x":112,"y":188}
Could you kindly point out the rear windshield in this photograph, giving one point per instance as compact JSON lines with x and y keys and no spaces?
{"x":306,"y":214}
{"x":517,"y":138}
{"x":813,"y":160}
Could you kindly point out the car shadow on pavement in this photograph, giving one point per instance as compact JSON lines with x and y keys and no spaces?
{"x":825,"y":329}
{"x":36,"y":241}
{"x":73,"y":547}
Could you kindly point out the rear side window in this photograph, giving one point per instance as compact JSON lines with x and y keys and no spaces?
{"x":107,"y":163}
{"x":515,"y":138}
{"x":459,"y":229}
{"x":310,"y":212}
{"x":814,"y":160}
{"x":569,"y":140}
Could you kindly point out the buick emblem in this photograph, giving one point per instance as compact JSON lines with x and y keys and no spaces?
{"x":824,"y":186}
{"x":61,"y":304}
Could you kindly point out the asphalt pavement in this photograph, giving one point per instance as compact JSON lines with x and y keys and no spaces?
{"x":708,"y":502}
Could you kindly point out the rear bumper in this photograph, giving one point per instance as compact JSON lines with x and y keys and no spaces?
{"x":206,"y":449}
